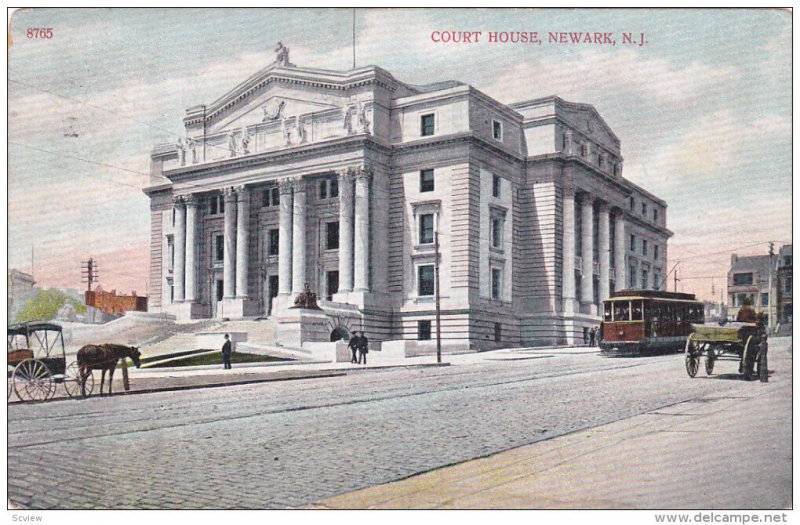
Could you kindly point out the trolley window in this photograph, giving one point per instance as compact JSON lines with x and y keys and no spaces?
{"x":636,"y":311}
{"x":607,"y":312}
{"x":622,"y":310}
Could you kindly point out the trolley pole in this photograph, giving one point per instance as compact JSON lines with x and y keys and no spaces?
{"x":438,"y":304}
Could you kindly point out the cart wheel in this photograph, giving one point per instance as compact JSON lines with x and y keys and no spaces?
{"x":711,"y":358}
{"x":692,"y":358}
{"x":33,"y":381}
{"x":72,"y":381}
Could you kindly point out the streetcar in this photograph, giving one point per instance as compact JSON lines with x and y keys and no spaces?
{"x":646,"y":322}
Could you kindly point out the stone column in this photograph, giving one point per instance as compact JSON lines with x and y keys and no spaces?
{"x":242,"y":240}
{"x":587,"y":251}
{"x":346,"y":197}
{"x":620,"y":266}
{"x":229,"y":254}
{"x":179,"y":271}
{"x":191,"y":250}
{"x":361,"y":233}
{"x":604,"y":240}
{"x":568,"y":249}
{"x":285,"y":238}
{"x":299,"y":237}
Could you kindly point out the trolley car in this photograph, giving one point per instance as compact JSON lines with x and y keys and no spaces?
{"x":645,"y":322}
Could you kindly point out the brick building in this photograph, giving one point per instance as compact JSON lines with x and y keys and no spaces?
{"x":111,"y":303}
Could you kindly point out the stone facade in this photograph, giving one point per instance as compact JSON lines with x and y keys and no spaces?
{"x":20,"y":290}
{"x":342,"y":179}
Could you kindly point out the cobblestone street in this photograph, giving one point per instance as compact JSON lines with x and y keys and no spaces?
{"x":288,"y":444}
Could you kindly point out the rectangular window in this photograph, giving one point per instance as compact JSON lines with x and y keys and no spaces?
{"x":273,"y":242}
{"x":787,"y":285}
{"x":497,"y":233}
{"x":497,"y":130}
{"x":656,"y":280}
{"x":171,"y":251}
{"x":220,"y":289}
{"x":427,"y":125}
{"x":764,"y":299}
{"x":323,"y":189}
{"x":426,"y":228}
{"x":173,"y":216}
{"x":787,"y":261}
{"x":633,"y":243}
{"x":212,"y":206}
{"x":644,"y":209}
{"x":171,"y":293}
{"x":276,"y":196}
{"x":221,"y":206}
{"x":496,"y":182}
{"x":644,"y":279}
{"x":426,"y":180}
{"x":332,"y":235}
{"x":644,"y":247}
{"x":655,"y":251}
{"x":632,"y":203}
{"x":332,"y":284}
{"x":497,"y":283}
{"x":334,"y":189}
{"x":742,"y":279}
{"x":219,"y":248}
{"x":425,"y":280}
{"x":498,"y":332}
{"x":424,"y":330}
{"x":632,"y":274}
{"x":655,"y":214}
{"x":266,"y":198}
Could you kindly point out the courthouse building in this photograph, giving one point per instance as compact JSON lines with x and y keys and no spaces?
{"x":340,"y":180}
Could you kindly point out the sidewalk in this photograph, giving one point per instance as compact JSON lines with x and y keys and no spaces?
{"x":723,"y":452}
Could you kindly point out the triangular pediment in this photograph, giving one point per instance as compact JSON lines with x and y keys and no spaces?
{"x":586,"y":120}
{"x":272,"y":106}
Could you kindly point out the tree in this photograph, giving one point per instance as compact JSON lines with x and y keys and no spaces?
{"x":43,"y":305}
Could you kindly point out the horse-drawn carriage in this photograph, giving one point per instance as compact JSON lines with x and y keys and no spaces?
{"x":35,"y":369}
{"x":742,"y":342}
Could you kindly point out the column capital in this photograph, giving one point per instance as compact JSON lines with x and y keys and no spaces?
{"x":191,"y":201}
{"x":229,"y":193}
{"x":362,"y":173}
{"x":345,"y":174}
{"x":568,"y":191}
{"x":298,"y":185}
{"x":178,"y":200}
{"x":242,"y":192}
{"x":585,"y":197}
{"x":602,"y":206}
{"x":285,"y":186}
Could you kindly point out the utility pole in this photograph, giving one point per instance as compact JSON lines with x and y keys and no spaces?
{"x":89,"y":273}
{"x":438,"y":305}
{"x":676,"y":279}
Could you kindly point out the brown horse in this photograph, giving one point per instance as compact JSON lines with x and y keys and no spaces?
{"x":104,"y":357}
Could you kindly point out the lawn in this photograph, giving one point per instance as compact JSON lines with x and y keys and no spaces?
{"x":216,"y":359}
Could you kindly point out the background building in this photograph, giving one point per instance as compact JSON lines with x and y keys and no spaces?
{"x":784,"y":288}
{"x":340,"y":180}
{"x":749,"y":277}
{"x":20,"y":289}
{"x":113,"y":304}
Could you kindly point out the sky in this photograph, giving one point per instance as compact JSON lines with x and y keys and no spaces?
{"x":703,"y":112}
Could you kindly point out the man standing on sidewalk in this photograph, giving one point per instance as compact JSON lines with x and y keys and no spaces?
{"x":363,"y":348}
{"x":226,"y":353}
{"x":353,"y":344}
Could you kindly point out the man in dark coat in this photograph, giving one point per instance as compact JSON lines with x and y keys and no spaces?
{"x":592,"y":334}
{"x":353,"y":344}
{"x":363,"y":348}
{"x":227,"y":348}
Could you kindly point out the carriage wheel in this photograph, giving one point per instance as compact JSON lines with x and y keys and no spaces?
{"x":33,"y":381}
{"x":711,"y":358}
{"x":72,"y":381}
{"x":692,"y":358}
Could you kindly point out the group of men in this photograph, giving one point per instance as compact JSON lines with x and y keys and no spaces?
{"x":592,"y":336}
{"x":359,"y":344}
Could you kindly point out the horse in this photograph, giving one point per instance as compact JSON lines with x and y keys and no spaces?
{"x":104,"y":357}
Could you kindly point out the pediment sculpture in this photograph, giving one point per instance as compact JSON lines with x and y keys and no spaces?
{"x":272,"y":110}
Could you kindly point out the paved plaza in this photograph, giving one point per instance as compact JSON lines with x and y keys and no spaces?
{"x":296,"y":443}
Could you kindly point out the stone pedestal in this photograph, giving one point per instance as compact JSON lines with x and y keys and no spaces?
{"x":236,"y":308}
{"x":185,"y":311}
{"x":298,"y":325}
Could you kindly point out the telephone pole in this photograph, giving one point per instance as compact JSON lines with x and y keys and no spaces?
{"x":770,"y":317}
{"x":676,"y":279}
{"x":438,"y":305}
{"x":89,"y":273}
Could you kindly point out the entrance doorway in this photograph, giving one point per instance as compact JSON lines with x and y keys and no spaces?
{"x":340,"y":333}
{"x":216,"y":296}
{"x":331,"y":284}
{"x":272,"y":291}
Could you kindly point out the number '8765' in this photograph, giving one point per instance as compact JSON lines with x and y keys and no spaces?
{"x":40,"y":32}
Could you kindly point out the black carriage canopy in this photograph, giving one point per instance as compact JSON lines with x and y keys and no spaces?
{"x":34,"y":328}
